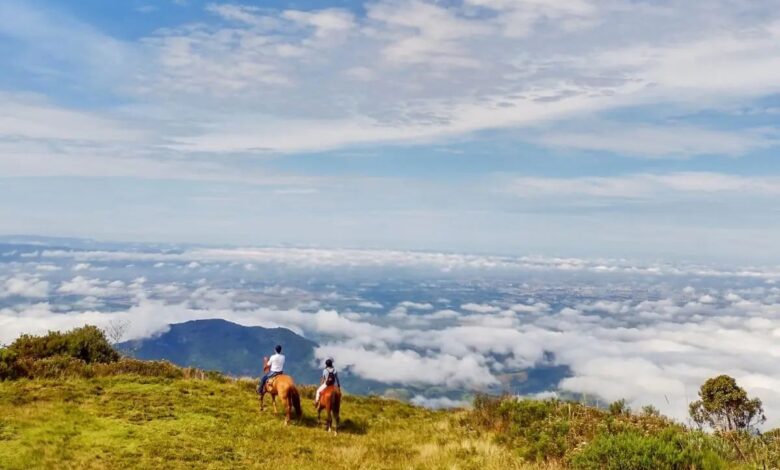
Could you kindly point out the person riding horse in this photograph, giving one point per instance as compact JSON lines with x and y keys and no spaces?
{"x":276,"y":363}
{"x":329,"y":377}
{"x":328,"y":397}
{"x":276,"y":383}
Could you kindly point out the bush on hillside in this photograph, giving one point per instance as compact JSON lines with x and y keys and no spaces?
{"x":56,"y":367}
{"x":56,"y":354}
{"x":82,"y":353}
{"x":586,"y":437}
{"x":550,"y":430}
{"x":9,"y":368}
{"x":87,"y":343}
{"x":670,"y":449}
{"x":725,"y":406}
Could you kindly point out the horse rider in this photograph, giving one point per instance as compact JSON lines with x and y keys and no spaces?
{"x":329,"y":377}
{"x":276,"y":363}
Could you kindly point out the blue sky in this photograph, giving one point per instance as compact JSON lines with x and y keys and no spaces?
{"x":560,"y":127}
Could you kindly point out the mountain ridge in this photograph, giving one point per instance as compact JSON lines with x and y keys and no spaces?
{"x":232,"y":348}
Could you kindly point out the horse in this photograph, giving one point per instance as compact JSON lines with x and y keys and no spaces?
{"x":330,"y":401}
{"x":284,"y":386}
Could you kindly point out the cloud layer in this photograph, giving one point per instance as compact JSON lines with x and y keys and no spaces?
{"x":649,"y":334}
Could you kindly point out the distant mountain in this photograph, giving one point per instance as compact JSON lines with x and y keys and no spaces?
{"x":227,"y":347}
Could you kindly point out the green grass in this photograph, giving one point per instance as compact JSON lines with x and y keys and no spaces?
{"x":141,"y":422}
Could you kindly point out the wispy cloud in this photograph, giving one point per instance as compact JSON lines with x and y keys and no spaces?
{"x":662,"y":141}
{"x":645,"y":186}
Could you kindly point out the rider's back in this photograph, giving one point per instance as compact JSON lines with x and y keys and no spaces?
{"x":276,"y":362}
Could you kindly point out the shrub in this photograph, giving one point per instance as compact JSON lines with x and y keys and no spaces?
{"x":670,"y":449}
{"x":8,"y":366}
{"x":56,"y":367}
{"x":725,"y":406}
{"x":537,"y":429}
{"x":553,"y":430}
{"x":619,"y":407}
{"x":87,"y":343}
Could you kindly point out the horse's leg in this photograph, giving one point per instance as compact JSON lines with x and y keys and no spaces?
{"x":262,"y":400}
{"x":329,"y":419}
{"x":319,"y":419}
{"x":273,"y":400}
{"x":335,"y":421}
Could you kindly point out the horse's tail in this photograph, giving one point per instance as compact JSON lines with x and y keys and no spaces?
{"x":335,"y":401}
{"x":295,"y":399}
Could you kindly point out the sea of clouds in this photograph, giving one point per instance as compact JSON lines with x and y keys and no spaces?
{"x":649,"y":333}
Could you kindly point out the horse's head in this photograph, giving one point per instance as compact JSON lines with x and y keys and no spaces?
{"x":266,"y":366}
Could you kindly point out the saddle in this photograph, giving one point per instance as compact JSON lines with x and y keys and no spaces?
{"x":270,"y":382}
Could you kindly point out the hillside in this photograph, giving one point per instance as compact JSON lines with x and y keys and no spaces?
{"x":147,"y":422}
{"x":69,"y":400}
{"x":227,"y":347}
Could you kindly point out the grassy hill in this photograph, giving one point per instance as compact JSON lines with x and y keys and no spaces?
{"x":130,"y":421}
{"x":69,"y":400}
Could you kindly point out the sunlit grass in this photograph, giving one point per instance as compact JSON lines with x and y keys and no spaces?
{"x":132,"y":422}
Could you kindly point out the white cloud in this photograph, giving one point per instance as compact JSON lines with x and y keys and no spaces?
{"x":439,"y":402}
{"x":47,"y":267}
{"x":658,"y":141}
{"x":326,"y":23}
{"x":415,"y":305}
{"x":480,"y":308}
{"x":634,"y":186}
{"x":80,"y":285}
{"x":317,"y":258}
{"x":214,"y":86}
{"x":369,"y":304}
{"x":410,"y":367}
{"x":23,"y":285}
{"x":33,"y":117}
{"x":241,"y":13}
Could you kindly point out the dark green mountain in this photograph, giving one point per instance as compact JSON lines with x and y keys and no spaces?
{"x":228,"y":347}
{"x":238,"y":350}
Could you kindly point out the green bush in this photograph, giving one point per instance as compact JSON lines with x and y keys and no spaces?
{"x":538,"y":430}
{"x":585,"y":437}
{"x":81,"y":353}
{"x":8,"y":365}
{"x":631,"y":450}
{"x":87,"y":343}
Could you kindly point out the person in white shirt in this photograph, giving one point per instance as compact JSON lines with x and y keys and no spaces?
{"x":329,"y":377}
{"x":276,"y":367}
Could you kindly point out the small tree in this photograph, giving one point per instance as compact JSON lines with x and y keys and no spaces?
{"x":725,"y":406}
{"x":619,"y":408}
{"x":115,"y":330}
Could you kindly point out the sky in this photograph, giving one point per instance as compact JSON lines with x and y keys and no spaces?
{"x":644,"y":129}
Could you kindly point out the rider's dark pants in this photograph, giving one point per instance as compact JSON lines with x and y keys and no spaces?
{"x":265,"y":379}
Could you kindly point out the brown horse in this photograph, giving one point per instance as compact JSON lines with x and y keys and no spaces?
{"x":330,"y":401}
{"x":284,"y":386}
